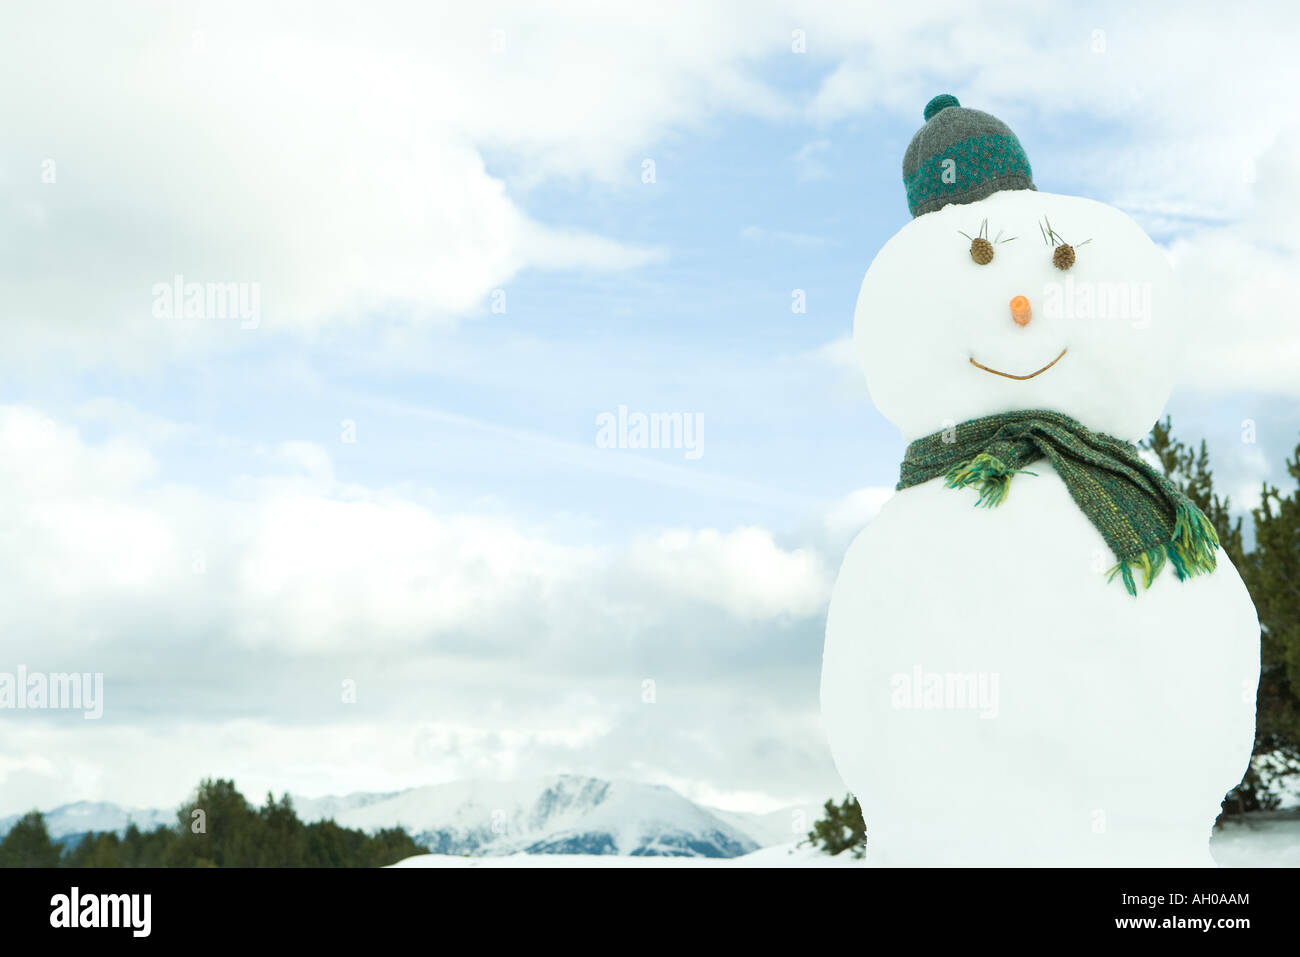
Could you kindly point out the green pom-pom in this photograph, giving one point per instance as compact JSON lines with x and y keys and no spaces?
{"x":940,"y":102}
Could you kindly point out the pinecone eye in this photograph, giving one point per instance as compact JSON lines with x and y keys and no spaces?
{"x":981,"y":249}
{"x":1062,"y":252}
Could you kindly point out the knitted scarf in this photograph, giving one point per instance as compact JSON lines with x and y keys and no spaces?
{"x":1143,"y":517}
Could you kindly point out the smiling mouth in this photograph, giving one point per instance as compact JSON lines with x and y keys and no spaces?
{"x":1008,"y":375}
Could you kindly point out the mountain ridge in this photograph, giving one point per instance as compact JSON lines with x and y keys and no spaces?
{"x":557,"y":814}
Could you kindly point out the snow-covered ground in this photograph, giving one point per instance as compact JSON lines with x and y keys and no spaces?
{"x":1266,"y":839}
{"x":785,"y":855}
{"x":1263,"y":839}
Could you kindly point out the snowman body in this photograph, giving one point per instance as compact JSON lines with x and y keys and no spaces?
{"x":989,"y":697}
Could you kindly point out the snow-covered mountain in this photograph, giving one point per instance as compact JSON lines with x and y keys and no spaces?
{"x":560,"y":814}
{"x":330,"y":806}
{"x":565,"y":814}
{"x":73,"y":820}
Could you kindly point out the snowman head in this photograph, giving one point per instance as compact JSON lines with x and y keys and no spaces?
{"x":998,"y":298}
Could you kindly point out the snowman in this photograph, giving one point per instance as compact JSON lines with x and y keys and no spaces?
{"x":1036,"y":653}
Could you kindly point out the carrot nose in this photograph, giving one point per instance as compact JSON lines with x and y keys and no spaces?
{"x":1020,"y":311}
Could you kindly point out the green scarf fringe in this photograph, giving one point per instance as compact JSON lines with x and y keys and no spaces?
{"x":990,"y":477}
{"x":1130,"y":503}
{"x":1190,"y":552}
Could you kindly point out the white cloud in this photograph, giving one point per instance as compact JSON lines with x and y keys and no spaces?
{"x":333,"y":157}
{"x":224,"y":623}
{"x":1242,"y":286}
{"x":743,"y":572}
{"x":301,"y":563}
{"x":319,"y":571}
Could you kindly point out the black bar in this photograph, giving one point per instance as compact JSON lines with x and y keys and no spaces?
{"x":381,"y":909}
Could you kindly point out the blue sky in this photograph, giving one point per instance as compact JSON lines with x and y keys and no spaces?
{"x":502,"y":585}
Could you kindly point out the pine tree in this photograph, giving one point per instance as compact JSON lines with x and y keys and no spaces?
{"x":285,"y":843}
{"x":101,"y":849}
{"x":1269,"y":573}
{"x":329,"y":845}
{"x":28,"y":844}
{"x":231,"y":834}
{"x":218,"y":827}
{"x":1190,"y":471}
{"x":842,"y":829}
{"x":1274,"y":581}
{"x":390,"y":845}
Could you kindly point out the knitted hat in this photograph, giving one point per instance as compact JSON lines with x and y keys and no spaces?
{"x":961,"y":156}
